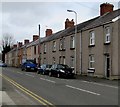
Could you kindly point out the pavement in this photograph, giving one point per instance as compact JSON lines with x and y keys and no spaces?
{"x":98,"y":80}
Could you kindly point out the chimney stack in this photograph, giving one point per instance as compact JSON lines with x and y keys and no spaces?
{"x":48,"y":32}
{"x":105,"y":7}
{"x":35,"y":37}
{"x":19,"y":44}
{"x":26,"y":41}
{"x":15,"y":46}
{"x":68,"y":23}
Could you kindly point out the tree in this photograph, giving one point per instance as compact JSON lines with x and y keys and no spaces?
{"x":7,"y":42}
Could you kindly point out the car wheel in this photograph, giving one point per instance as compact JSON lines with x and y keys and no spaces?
{"x":26,"y":69}
{"x":22,"y":69}
{"x":43,"y":73}
{"x":38,"y":72}
{"x":50,"y":74}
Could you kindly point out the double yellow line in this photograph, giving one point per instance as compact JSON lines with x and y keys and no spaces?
{"x":28,"y":92}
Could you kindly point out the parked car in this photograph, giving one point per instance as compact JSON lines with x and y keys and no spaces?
{"x":44,"y":69}
{"x":28,"y":66}
{"x":61,"y":70}
{"x":3,"y":64}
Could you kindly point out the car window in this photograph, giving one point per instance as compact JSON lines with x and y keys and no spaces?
{"x":48,"y":66}
{"x":63,"y":66}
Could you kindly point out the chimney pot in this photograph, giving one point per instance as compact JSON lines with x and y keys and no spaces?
{"x":69,"y":23}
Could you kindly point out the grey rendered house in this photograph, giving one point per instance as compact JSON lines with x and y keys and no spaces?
{"x":97,"y":45}
{"x":100,"y":46}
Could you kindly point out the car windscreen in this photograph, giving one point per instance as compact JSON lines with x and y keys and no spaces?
{"x":63,"y":66}
{"x":48,"y":66}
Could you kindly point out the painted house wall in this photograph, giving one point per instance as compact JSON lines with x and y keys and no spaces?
{"x":67,"y":53}
{"x":87,"y":50}
{"x":29,"y":55}
{"x":115,"y":50}
{"x":119,"y":48}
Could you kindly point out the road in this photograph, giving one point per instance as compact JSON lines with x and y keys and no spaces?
{"x":35,"y":89}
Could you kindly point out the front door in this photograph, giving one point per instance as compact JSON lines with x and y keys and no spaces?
{"x":107,"y":67}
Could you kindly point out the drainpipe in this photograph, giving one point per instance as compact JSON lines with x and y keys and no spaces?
{"x":81,"y":52}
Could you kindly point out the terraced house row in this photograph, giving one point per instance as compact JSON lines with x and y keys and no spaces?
{"x":95,"y":50}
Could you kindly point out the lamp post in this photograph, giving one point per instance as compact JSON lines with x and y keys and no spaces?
{"x":39,"y":45}
{"x":75,"y":37}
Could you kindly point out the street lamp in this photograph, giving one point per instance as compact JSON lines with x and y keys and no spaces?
{"x":75,"y":36}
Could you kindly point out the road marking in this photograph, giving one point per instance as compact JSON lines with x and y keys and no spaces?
{"x":82,"y":90}
{"x":100,"y":84}
{"x":30,"y":75}
{"x":19,"y":72}
{"x":5,"y":99}
{"x":30,"y":93}
{"x":48,"y":80}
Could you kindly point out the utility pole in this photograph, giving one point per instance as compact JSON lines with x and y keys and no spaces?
{"x":39,"y":46}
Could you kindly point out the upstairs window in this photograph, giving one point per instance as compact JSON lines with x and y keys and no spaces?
{"x":54,"y":46}
{"x":107,"y":35}
{"x":92,"y":38}
{"x":62,"y":44}
{"x":45,"y":48}
{"x":72,"y":42}
{"x":35,"y":50}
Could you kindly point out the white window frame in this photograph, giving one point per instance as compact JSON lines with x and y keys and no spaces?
{"x":72,"y":42}
{"x":92,"y":37}
{"x":64,"y":61}
{"x":62,"y":44}
{"x":45,"y":48}
{"x":53,"y":60}
{"x":54,"y":45}
{"x":107,"y":34}
{"x":91,"y":61}
{"x":72,"y":60}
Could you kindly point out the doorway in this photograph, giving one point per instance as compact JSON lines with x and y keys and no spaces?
{"x":107,"y":66}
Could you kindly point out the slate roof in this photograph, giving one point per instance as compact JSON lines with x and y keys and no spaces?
{"x":68,"y":31}
{"x":92,"y":23}
{"x":106,"y":18}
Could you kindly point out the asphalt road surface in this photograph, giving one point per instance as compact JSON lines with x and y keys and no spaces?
{"x":30,"y":88}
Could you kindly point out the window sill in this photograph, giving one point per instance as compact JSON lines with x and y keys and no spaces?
{"x":106,"y":43}
{"x":91,"y":46}
{"x":72,"y":48}
{"x":62,"y":50}
{"x":91,"y":70}
{"x":44,"y":52}
{"x":53,"y":51}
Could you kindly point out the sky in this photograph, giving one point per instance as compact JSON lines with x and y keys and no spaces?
{"x":21,"y":18}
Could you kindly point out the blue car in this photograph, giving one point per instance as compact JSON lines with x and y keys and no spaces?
{"x":3,"y":64}
{"x":29,"y":66}
{"x":44,"y":69}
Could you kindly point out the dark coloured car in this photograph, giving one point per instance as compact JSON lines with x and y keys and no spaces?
{"x":3,"y":64}
{"x":61,"y":70}
{"x":44,"y":69}
{"x":28,"y":66}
